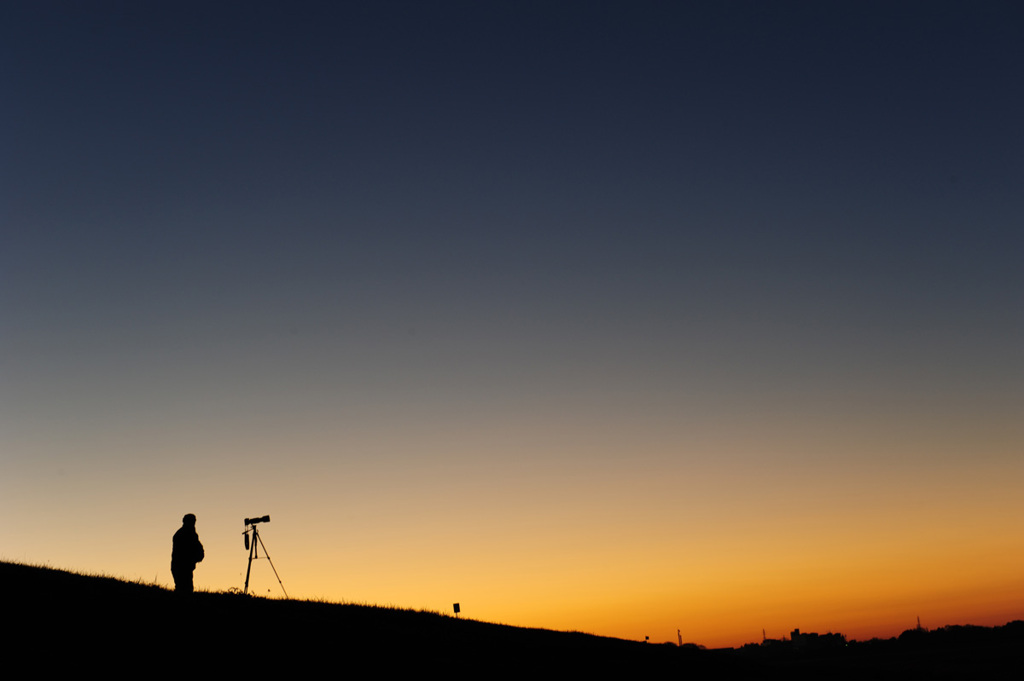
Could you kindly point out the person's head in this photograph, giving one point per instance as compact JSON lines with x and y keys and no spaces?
{"x":189,"y":520}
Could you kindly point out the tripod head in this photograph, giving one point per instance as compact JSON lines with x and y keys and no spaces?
{"x":250,"y":526}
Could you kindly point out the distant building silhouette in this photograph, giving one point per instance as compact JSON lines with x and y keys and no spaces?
{"x":810,"y":642}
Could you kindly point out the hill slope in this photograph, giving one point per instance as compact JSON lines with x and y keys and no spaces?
{"x":70,"y":623}
{"x":79,"y":621}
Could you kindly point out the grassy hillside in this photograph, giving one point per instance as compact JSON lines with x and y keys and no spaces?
{"x":80,"y":622}
{"x":67,"y":623}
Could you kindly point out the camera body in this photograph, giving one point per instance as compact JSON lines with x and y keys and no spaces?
{"x":253,"y":521}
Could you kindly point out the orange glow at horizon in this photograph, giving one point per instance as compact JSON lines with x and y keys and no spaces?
{"x":575,"y":538}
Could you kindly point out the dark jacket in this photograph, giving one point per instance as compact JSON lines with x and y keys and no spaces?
{"x":186,"y":550}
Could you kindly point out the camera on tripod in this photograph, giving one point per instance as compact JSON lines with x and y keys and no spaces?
{"x":251,"y":547}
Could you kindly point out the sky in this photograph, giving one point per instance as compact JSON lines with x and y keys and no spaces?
{"x":625,"y":318}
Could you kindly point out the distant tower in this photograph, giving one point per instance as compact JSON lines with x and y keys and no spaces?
{"x":679,"y":635}
{"x":764,"y":636}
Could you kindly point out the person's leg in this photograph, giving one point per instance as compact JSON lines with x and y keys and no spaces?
{"x":182,"y":580}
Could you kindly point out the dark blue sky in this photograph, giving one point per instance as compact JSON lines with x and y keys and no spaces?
{"x":603,"y":166}
{"x":813,"y":179}
{"x":463,"y":141}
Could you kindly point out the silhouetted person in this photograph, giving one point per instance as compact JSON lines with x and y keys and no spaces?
{"x":185,"y":553}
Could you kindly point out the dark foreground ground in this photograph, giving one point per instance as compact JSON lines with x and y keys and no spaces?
{"x":64,"y":622}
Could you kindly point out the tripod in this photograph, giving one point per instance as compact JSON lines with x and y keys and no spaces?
{"x":250,"y":524}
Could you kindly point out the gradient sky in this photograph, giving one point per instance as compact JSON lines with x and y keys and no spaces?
{"x":614,"y":317}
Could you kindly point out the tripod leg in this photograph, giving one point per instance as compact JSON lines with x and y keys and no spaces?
{"x":252,"y":551}
{"x":271,"y":566}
